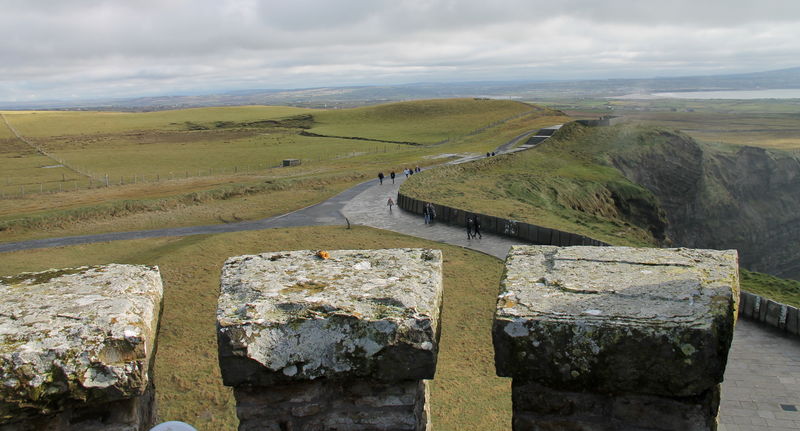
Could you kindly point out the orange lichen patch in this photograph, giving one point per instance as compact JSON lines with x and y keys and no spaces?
{"x":323,"y":254}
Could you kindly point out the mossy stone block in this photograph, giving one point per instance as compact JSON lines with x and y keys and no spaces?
{"x":616,"y":319}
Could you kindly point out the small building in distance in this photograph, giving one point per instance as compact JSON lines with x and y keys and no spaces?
{"x":606,"y":120}
{"x":291,"y":162}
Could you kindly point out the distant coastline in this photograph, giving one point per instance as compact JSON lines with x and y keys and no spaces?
{"x":784,"y":93}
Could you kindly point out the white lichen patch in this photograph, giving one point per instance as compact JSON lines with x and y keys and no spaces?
{"x":68,"y":336}
{"x":307,"y":317}
{"x":621,"y":284}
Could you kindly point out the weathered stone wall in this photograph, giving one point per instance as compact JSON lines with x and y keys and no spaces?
{"x":331,"y":340}
{"x":781,"y":316}
{"x":615,"y":337}
{"x":76,"y":348}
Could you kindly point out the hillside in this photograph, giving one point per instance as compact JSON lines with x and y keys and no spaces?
{"x":640,"y":185}
{"x":135,"y":171}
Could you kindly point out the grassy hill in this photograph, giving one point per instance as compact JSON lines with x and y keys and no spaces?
{"x":212,"y":165}
{"x":562,"y":184}
{"x":424,"y":122}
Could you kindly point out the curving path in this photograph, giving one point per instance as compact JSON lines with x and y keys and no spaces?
{"x":762,"y":380}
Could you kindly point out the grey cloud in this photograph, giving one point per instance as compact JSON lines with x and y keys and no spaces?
{"x":65,"y":46}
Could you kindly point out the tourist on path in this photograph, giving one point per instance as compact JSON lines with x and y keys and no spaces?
{"x":380,"y":177}
{"x":470,"y":226}
{"x":417,"y":169}
{"x":426,"y":213}
{"x":392,"y":175}
{"x":477,"y":228}
{"x":406,"y":171}
{"x":390,"y":203}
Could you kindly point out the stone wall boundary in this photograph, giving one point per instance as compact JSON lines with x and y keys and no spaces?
{"x":525,"y":231}
{"x":766,"y":311}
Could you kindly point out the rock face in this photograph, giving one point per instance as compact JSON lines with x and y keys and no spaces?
{"x":75,"y":339}
{"x":742,"y":198}
{"x":292,"y":320}
{"x":648,"y":326}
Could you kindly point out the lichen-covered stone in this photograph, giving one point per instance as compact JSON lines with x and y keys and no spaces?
{"x":76,"y":337}
{"x":295,"y":316}
{"x":616,"y":319}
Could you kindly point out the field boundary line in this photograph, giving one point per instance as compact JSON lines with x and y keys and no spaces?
{"x":40,"y":150}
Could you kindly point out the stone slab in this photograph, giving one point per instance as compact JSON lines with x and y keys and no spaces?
{"x":773,"y":313}
{"x":746,"y":304}
{"x":291,"y":316}
{"x":793,"y":320}
{"x":76,"y":337}
{"x":616,"y":319}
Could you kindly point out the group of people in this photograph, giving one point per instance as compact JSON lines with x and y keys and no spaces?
{"x":393,"y":175}
{"x":490,"y":154}
{"x":409,"y":171}
{"x":429,"y":211}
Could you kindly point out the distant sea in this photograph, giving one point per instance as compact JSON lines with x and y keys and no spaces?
{"x":788,"y":93}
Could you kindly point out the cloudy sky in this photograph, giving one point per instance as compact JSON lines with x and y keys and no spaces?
{"x":76,"y":49}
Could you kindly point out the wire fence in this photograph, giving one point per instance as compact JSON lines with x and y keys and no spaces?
{"x":9,"y":189}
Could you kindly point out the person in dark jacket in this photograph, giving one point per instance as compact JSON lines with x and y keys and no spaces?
{"x":470,"y":226}
{"x":392,"y":175}
{"x":477,"y":228}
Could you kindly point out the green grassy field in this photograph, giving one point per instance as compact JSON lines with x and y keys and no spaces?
{"x":466,"y":394}
{"x":46,"y":124}
{"x":219,"y":149}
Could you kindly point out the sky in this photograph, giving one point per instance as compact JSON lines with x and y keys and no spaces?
{"x":86,"y":49}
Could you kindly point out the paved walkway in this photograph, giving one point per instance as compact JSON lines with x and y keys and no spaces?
{"x":761,"y":390}
{"x":762,"y":380}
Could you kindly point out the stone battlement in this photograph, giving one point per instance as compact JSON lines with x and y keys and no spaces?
{"x":76,"y":348}
{"x":343,"y":341}
{"x":615,"y":336}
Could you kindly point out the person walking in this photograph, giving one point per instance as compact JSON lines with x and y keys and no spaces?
{"x":426,"y":213}
{"x":380,"y":177}
{"x":477,"y":228}
{"x":405,"y":171}
{"x":431,"y":212}
{"x":392,"y":175}
{"x":470,"y":225}
{"x":390,"y":204}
